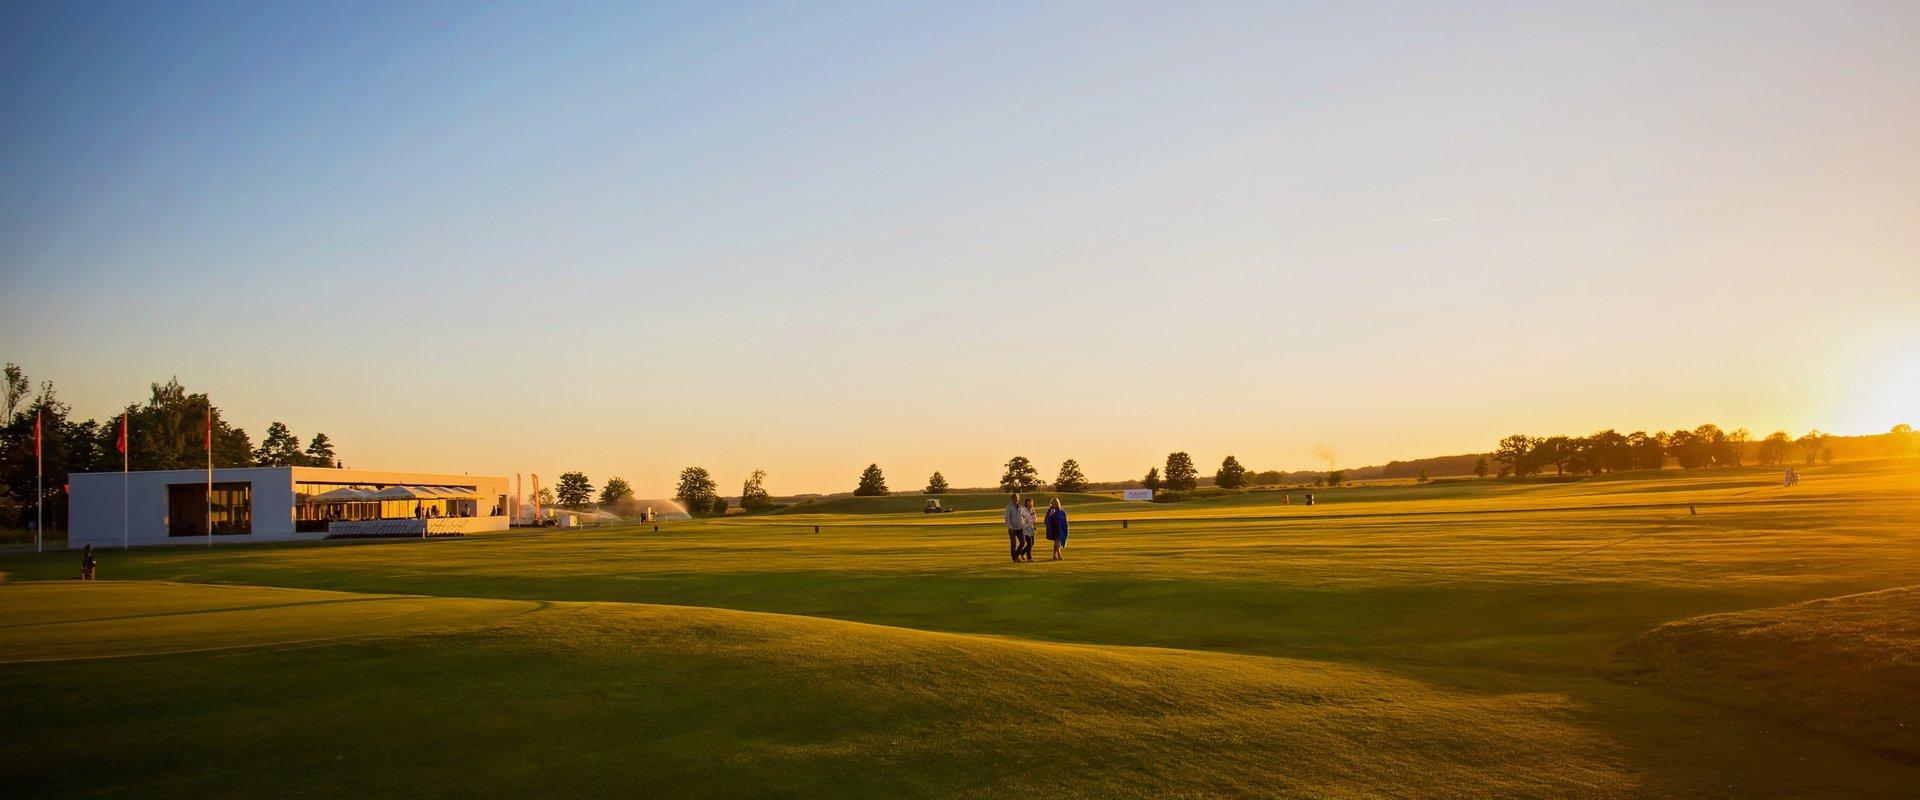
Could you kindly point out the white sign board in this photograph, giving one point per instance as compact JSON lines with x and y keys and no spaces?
{"x":1136,"y":494}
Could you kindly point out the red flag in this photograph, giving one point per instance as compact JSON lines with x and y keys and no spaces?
{"x":122,"y":444}
{"x":209,"y":428}
{"x":36,"y":434}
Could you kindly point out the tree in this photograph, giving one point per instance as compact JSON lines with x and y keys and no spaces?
{"x":696,"y":490}
{"x":1071,"y":478}
{"x":1689,"y":449}
{"x":937,"y":484}
{"x":1230,"y":475}
{"x":1556,"y":450}
{"x":753,"y":492}
{"x":17,"y":388}
{"x":1180,"y":474}
{"x":279,"y":448}
{"x":1336,"y":477}
{"x":1811,"y":444}
{"x":1480,"y":468}
{"x":1515,"y":453}
{"x":1897,"y":442}
{"x":1715,"y":446}
{"x":616,"y":491}
{"x":10,"y":509}
{"x":719,"y":508}
{"x":1733,"y":449}
{"x":169,"y":432}
{"x":18,"y":465}
{"x":320,"y":452}
{"x":1604,"y":451}
{"x":1649,"y":451}
{"x":1420,"y":478}
{"x":1152,"y":481}
{"x":574,"y":491}
{"x":1020,"y":476}
{"x":872,"y":483}
{"x":545,"y":497}
{"x":1773,"y":449}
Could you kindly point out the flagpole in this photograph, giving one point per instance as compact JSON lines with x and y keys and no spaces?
{"x":39,"y":489}
{"x":209,"y":472}
{"x":126,"y":536}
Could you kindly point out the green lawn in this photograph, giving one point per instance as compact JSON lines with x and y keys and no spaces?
{"x":1460,"y":639}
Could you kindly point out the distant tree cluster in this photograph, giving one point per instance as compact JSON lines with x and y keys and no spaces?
{"x":168,"y":431}
{"x":1071,"y":479}
{"x":1180,"y":476}
{"x":281,"y":448}
{"x":697,"y":492}
{"x":1901,"y":442}
{"x":1020,"y":476}
{"x":753,"y":492}
{"x":873,"y":483}
{"x":617,"y":494}
{"x":1704,"y":446}
{"x":574,"y":490}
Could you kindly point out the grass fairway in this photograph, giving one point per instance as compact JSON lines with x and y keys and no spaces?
{"x":1468,"y":639}
{"x":1847,"y":665}
{"x":623,"y":698}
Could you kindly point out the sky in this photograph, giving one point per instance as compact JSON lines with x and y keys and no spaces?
{"x":630,"y":238}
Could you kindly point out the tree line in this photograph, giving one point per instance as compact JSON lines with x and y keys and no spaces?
{"x":168,"y":431}
{"x":1519,"y":454}
{"x":1704,"y":446}
{"x":699,"y":494}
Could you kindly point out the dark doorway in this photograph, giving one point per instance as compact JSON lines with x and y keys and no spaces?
{"x":187,"y":508}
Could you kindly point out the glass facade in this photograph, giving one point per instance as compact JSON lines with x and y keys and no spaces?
{"x":187,"y":507}
{"x":309,"y":514}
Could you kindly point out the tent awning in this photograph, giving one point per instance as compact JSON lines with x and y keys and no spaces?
{"x":403,"y":492}
{"x":344,"y":494}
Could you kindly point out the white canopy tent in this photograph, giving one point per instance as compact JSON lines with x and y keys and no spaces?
{"x":350,"y":502}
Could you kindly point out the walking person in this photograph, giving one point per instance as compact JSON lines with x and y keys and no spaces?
{"x":1027,"y":526}
{"x":1016,"y":525}
{"x":1056,"y":527}
{"x":87,"y":564}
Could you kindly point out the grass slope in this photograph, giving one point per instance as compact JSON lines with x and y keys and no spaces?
{"x":1502,"y":591}
{"x":590,"y":699}
{"x":51,"y":621}
{"x":1847,"y":665}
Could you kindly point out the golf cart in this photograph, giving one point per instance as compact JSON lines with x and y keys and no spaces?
{"x":934,"y":507}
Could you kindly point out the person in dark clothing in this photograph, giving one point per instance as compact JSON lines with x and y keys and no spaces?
{"x":87,"y":564}
{"x":1056,"y":527}
{"x":1016,"y":528}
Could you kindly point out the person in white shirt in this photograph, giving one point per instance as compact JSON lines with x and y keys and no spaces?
{"x":1027,"y":526}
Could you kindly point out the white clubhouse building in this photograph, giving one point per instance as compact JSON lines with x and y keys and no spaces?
{"x":277,"y":504}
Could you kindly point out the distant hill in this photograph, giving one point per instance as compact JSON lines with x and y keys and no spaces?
{"x":1436,"y":467}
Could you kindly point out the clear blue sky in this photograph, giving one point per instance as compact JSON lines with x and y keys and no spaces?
{"x":628,"y":238}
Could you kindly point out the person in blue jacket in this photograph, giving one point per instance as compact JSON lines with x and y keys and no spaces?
{"x":1056,"y":527}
